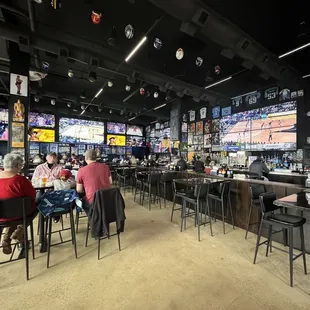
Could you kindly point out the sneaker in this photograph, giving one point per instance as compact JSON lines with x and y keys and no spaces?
{"x":6,"y":246}
{"x":18,"y":234}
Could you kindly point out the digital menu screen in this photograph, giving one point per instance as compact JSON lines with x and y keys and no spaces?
{"x":41,"y":120}
{"x":116,"y":128}
{"x":133,"y":130}
{"x":80,"y":131}
{"x":42,"y":135}
{"x":116,"y":140}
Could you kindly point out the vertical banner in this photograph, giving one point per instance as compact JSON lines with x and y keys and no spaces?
{"x":175,"y":121}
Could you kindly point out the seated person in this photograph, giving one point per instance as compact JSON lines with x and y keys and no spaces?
{"x":133,"y":160}
{"x":49,"y":169}
{"x":198,"y":165}
{"x":65,"y":181}
{"x":37,"y":159}
{"x":93,"y":177}
{"x":13,"y":185}
{"x":181,"y":164}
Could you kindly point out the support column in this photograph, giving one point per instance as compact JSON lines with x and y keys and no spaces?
{"x":18,"y":102}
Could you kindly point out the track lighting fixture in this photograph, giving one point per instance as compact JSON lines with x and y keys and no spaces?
{"x":70,"y":73}
{"x":112,"y":39}
{"x":82,"y":106}
{"x":69,"y":104}
{"x":110,"y":83}
{"x":36,"y":99}
{"x":110,"y":111}
{"x":53,"y":101}
{"x":92,"y":77}
{"x":82,"y":95}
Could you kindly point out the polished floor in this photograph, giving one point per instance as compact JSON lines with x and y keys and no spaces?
{"x":158,"y":268}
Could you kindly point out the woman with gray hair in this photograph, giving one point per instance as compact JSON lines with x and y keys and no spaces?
{"x":14,"y":185}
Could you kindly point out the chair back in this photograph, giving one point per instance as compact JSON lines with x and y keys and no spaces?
{"x":202,"y":190}
{"x":225,"y":189}
{"x":154,"y":177}
{"x":266,"y":202}
{"x":168,"y":176}
{"x":15,"y":207}
{"x":256,"y":190}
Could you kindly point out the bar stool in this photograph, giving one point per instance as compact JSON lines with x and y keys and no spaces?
{"x":151,"y":184}
{"x":255,"y":191}
{"x":220,"y":197}
{"x":285,"y":221}
{"x":166,"y":178}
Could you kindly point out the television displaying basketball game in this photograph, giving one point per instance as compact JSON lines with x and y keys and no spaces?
{"x":41,"y":120}
{"x":116,"y":128}
{"x":268,"y":128}
{"x":80,"y":131}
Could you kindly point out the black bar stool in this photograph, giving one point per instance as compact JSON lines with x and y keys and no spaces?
{"x":221,"y":197}
{"x":151,"y":185}
{"x":285,"y":221}
{"x":166,"y":179}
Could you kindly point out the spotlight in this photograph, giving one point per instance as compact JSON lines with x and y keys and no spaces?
{"x":45,"y":66}
{"x":82,"y":95}
{"x":69,"y":104}
{"x":142,"y":91}
{"x":156,"y":94}
{"x":110,"y":83}
{"x":112,"y":39}
{"x":83,"y":107}
{"x":110,"y":111}
{"x":168,"y":96}
{"x":100,"y":108}
{"x":92,"y":77}
{"x":128,"y":87}
{"x":70,"y":73}
{"x":53,"y":101}
{"x":36,"y":99}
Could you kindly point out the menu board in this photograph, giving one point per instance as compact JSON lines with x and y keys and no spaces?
{"x":80,"y":131}
{"x":116,"y":128}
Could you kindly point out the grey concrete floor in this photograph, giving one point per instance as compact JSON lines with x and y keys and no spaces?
{"x":158,"y":268}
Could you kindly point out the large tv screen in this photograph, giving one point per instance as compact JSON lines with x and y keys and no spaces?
{"x":116,"y":140}
{"x":80,"y":131}
{"x":116,"y":128}
{"x":133,"y":130}
{"x":41,"y":120}
{"x":269,"y":128}
{"x":4,"y":115}
{"x":4,"y":127}
{"x":42,"y":135}
{"x":135,"y":141}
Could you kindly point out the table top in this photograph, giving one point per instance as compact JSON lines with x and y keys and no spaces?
{"x":197,"y":181}
{"x":300,"y":201}
{"x":43,"y":187}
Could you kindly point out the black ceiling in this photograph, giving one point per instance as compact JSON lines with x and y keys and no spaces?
{"x":50,"y":32}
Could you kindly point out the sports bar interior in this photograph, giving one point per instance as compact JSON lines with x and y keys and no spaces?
{"x":154,"y":154}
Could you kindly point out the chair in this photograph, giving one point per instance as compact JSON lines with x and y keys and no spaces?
{"x":121,"y":177}
{"x":198,"y":199}
{"x":103,"y":212}
{"x":151,"y":184}
{"x":60,"y":211}
{"x":255,"y":191}
{"x":285,"y":221}
{"x":165,"y":179}
{"x":224,"y":194}
{"x":22,"y":209}
{"x":78,"y":217}
{"x":138,"y":181}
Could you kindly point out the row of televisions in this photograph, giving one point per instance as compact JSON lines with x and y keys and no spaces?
{"x":76,"y":130}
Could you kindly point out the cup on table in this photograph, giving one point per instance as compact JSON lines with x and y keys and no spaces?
{"x":43,"y":181}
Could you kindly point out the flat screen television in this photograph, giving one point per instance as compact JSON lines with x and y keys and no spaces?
{"x":41,"y":120}
{"x":4,"y":131}
{"x":135,"y":141}
{"x":42,"y":135}
{"x":4,"y":115}
{"x":116,"y":140}
{"x":133,"y":130}
{"x":80,"y":131}
{"x":116,"y":128}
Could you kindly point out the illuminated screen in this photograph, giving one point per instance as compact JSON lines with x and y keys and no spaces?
{"x":42,"y":135}
{"x":41,"y":120}
{"x":4,"y":115}
{"x":4,"y":120}
{"x":226,"y":111}
{"x":216,"y":112}
{"x":135,"y":141}
{"x":80,"y":131}
{"x":116,"y":128}
{"x":116,"y":140}
{"x":269,"y":128}
{"x":133,"y":130}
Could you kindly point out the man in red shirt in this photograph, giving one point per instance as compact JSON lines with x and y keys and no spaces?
{"x":93,"y":177}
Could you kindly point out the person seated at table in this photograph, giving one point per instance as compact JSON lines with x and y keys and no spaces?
{"x":93,"y":177}
{"x":198,"y":165}
{"x":181,"y":164}
{"x":74,"y":160}
{"x":37,"y":159}
{"x":133,"y":160}
{"x":65,"y":181}
{"x":63,"y":160}
{"x":50,"y":169}
{"x":13,"y":185}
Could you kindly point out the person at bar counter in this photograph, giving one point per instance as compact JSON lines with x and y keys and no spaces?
{"x":198,"y":165}
{"x":258,"y":166}
{"x":181,"y":164}
{"x":91,"y":178}
{"x":13,"y":185}
{"x":49,"y":169}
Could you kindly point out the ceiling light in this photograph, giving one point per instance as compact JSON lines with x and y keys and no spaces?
{"x":168,"y":96}
{"x":69,"y":104}
{"x":155,"y":94}
{"x":83,"y":106}
{"x":92,"y":77}
{"x":112,"y":39}
{"x":135,"y":49}
{"x":219,"y":82}
{"x":295,"y":50}
{"x":128,"y":87}
{"x":53,"y":101}
{"x":99,"y":92}
{"x":82,"y":95}
{"x":110,"y":83}
{"x":70,"y":73}
{"x":111,"y":111}
{"x":160,"y":106}
{"x":100,"y":108}
{"x":131,"y":119}
{"x":305,"y":76}
{"x":36,"y":99}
